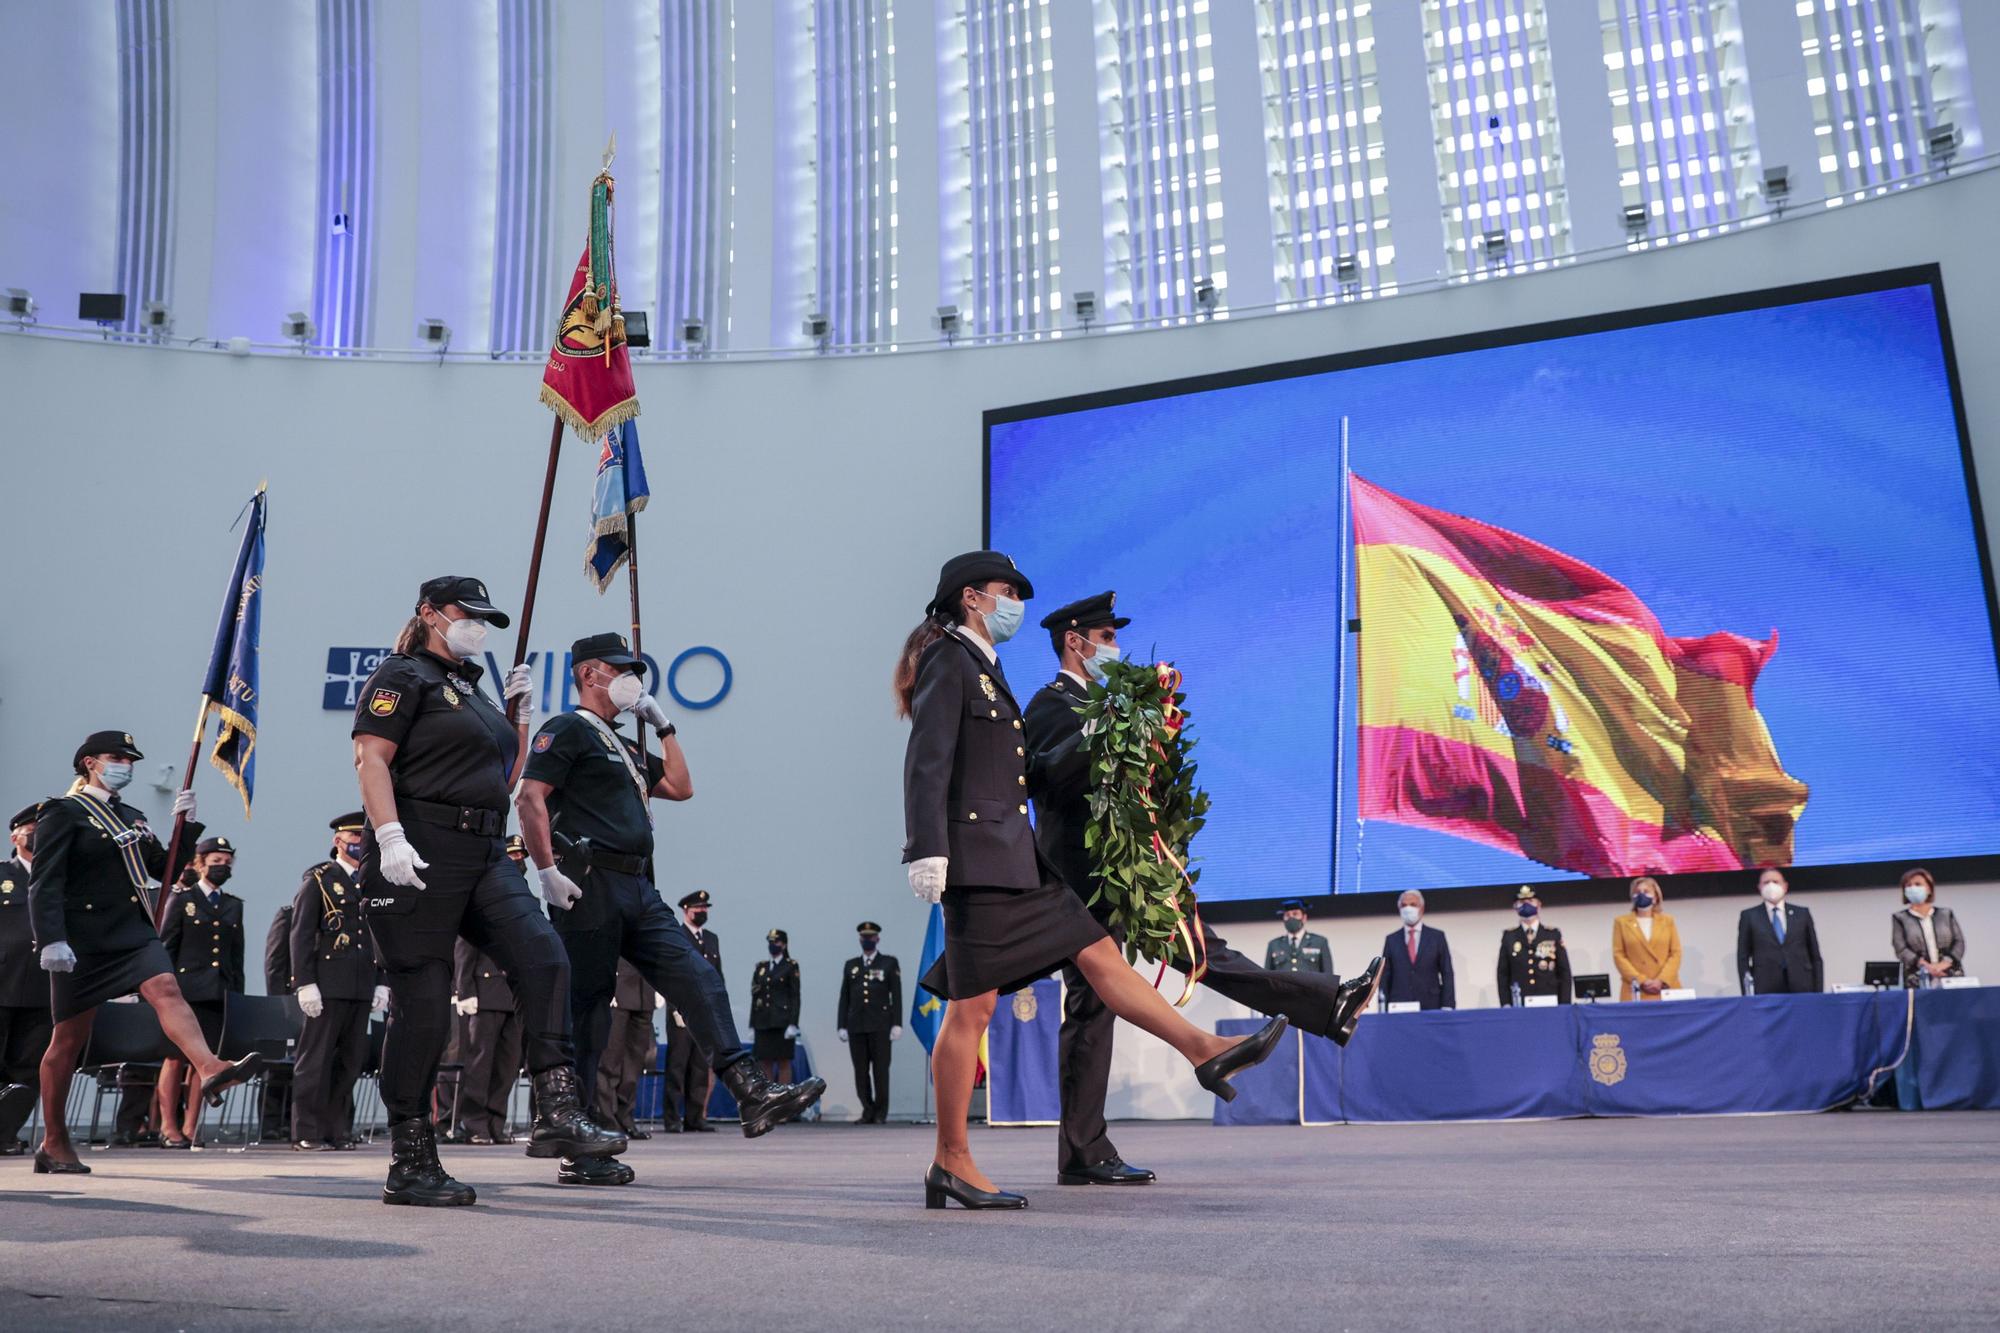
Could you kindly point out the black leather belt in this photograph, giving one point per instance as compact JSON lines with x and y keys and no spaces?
{"x":463,"y":818}
{"x":624,"y":865}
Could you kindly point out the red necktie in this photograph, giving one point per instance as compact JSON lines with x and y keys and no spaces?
{"x":1412,"y":933}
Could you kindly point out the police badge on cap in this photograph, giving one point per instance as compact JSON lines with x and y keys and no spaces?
{"x":467,"y":594}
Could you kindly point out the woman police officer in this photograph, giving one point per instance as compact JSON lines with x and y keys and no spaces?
{"x":94,"y":861}
{"x":437,"y":761}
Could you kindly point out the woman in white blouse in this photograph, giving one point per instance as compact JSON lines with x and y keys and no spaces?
{"x":1926,"y":937}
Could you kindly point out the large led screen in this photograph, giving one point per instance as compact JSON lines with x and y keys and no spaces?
{"x":1697,"y":589}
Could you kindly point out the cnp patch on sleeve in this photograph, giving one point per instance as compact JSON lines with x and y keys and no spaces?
{"x":543,"y":742}
{"x":383,"y":703}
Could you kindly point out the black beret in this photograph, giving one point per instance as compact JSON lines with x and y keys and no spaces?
{"x":105,"y":742}
{"x":207,"y":845}
{"x":468,"y":594}
{"x":778,"y":937}
{"x":1087,"y":613}
{"x":699,"y":898}
{"x":868,"y":928}
{"x":972,"y":569}
{"x":611,"y":649}
{"x":1291,"y":905}
{"x":25,"y":815}
{"x":350,"y":823}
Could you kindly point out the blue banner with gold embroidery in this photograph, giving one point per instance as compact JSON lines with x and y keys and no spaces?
{"x":230,"y":688}
{"x":621,"y":491}
{"x":927,"y":1010}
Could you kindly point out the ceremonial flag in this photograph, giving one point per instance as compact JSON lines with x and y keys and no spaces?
{"x":1515,"y":696}
{"x":229,"y":691}
{"x":588,"y":379}
{"x":621,"y":492}
{"x":927,"y":1010}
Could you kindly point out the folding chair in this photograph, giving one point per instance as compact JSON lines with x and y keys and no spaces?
{"x":125,"y":1037}
{"x":368,"y":1104}
{"x":268,"y":1025}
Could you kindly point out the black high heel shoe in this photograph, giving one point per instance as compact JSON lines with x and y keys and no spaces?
{"x":940,"y":1184}
{"x":46,"y":1165}
{"x":1252,"y":1050}
{"x":242,"y":1071}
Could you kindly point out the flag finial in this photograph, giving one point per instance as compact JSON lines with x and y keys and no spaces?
{"x":610,"y":149}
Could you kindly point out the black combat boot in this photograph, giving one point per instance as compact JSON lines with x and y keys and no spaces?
{"x":561,"y":1128}
{"x":416,"y":1176}
{"x":766,"y":1105}
{"x":594,"y":1171}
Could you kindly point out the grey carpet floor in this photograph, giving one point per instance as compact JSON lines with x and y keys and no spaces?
{"x":1863,"y":1220}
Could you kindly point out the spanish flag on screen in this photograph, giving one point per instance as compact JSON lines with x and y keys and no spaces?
{"x":1515,"y":696}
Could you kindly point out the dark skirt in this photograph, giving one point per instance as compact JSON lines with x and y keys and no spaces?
{"x":1005,"y":939}
{"x":98,"y":977}
{"x":772,"y":1044}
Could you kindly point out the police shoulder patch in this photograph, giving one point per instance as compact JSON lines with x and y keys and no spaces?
{"x":382,"y":703}
{"x":543,"y":742}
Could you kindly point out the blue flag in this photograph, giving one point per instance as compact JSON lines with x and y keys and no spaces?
{"x":229,"y":691}
{"x":621,"y":492}
{"x":927,"y":1010}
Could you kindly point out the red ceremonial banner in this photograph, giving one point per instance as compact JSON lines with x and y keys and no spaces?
{"x":588,"y":379}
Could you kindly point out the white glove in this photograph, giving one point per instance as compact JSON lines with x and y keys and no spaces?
{"x":843,"y":1034}
{"x":896,"y":1033}
{"x":310,"y":1004}
{"x":558,"y":889}
{"x":381,"y":1002}
{"x":399,"y":861}
{"x":659,"y":1000}
{"x":58,"y":958}
{"x":679,"y":1022}
{"x":518,"y":684}
{"x":648,"y":710}
{"x":792,"y":1032}
{"x":184,"y":803}
{"x":468,"y":1006}
{"x":927,"y":877}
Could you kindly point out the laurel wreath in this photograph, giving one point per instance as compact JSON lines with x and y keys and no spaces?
{"x":1144,"y":811}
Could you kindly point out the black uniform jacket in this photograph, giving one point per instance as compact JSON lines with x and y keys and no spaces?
{"x":80,"y":893}
{"x":205,"y":944}
{"x":477,"y":976}
{"x":331,"y":947}
{"x":1060,"y":772}
{"x":23,"y":984}
{"x":774,"y":994}
{"x":871,"y":994}
{"x":1538,"y":968}
{"x":965,"y":773}
{"x":278,"y":952}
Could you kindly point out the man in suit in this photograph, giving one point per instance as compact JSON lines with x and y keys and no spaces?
{"x":204,"y":936}
{"x":1533,"y":958}
{"x":24,"y":988}
{"x":339,"y":986}
{"x":629,"y":1049}
{"x":1416,"y":960}
{"x":689,"y":1079}
{"x":491,"y":1049}
{"x":1777,"y":949}
{"x":1085,"y":633}
{"x":1298,"y":949}
{"x":869,"y":1018}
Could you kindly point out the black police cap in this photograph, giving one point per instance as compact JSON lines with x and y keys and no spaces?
{"x":349,"y":823}
{"x":610,"y":649}
{"x":1087,"y":613}
{"x":25,"y":815}
{"x":778,"y":937}
{"x":868,"y":928}
{"x":468,"y":594}
{"x":699,"y":898}
{"x":207,"y":845}
{"x":105,"y":742}
{"x":972,"y":569}
{"x":1291,"y":905}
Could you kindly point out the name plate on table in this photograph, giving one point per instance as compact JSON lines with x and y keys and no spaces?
{"x":1404,"y":1007}
{"x":1850,"y":987}
{"x":1538,"y":1001}
{"x":1958,"y":983}
{"x":1677,"y":993}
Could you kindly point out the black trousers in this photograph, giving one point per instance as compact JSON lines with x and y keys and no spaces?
{"x":870,"y":1053}
{"x":687,"y":1077}
{"x":332,"y":1050}
{"x":623,"y":916}
{"x":24,"y":1036}
{"x":628,"y":1054}
{"x":471,"y":890}
{"x":492,"y":1056}
{"x":1306,"y":998}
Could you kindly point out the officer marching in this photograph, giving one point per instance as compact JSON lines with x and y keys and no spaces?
{"x":339,"y":985}
{"x":870,"y":1018}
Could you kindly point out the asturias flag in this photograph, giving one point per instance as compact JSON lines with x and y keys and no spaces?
{"x":588,"y":379}
{"x":230,"y":688}
{"x":621,"y":492}
{"x":927,"y":1010}
{"x":1516,"y":696}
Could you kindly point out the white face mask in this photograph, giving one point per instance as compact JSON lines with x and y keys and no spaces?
{"x":626,"y":691}
{"x":1411,"y":915}
{"x":1107,"y":653}
{"x":465,"y":637}
{"x":1916,"y":893}
{"x":1771,"y":891}
{"x":114,"y":777}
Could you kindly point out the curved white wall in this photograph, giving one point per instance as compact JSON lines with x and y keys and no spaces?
{"x":799,"y":514}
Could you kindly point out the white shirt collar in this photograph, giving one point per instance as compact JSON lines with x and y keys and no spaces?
{"x":986,"y":650}
{"x":349,"y":866}
{"x":207,"y":888}
{"x":100,"y":793}
{"x":1078,"y":679}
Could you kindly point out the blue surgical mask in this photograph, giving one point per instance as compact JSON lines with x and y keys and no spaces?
{"x":1528,"y":911}
{"x":1642,"y":901}
{"x":1916,"y":893}
{"x":1107,"y":653}
{"x":115,"y":777}
{"x":1410,"y":915}
{"x":1004,"y":620}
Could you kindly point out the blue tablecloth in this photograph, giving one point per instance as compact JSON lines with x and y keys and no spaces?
{"x":1734,"y":1056}
{"x":1022,"y":1051}
{"x":649,"y":1102}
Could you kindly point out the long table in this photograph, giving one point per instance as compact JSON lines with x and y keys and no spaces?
{"x":1734,"y":1056}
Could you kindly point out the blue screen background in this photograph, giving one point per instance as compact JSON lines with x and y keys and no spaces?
{"x":1793,"y":468}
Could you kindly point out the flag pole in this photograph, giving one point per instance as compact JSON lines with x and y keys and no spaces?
{"x":159,"y":905}
{"x":1340,"y":662}
{"x":535,"y":568}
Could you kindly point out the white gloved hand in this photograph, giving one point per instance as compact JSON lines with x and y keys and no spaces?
{"x":310,"y":1003}
{"x":381,"y":1002}
{"x":843,"y":1034}
{"x":558,"y":889}
{"x":58,"y":958}
{"x":399,"y":861}
{"x":648,"y":710}
{"x":659,"y":1000}
{"x":184,"y":803}
{"x":896,"y":1032}
{"x":927,"y":877}
{"x":468,"y":1006}
{"x":792,"y":1032}
{"x":519,"y":684}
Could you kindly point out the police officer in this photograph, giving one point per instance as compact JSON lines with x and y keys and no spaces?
{"x":203,"y":932}
{"x":436,"y":761}
{"x":339,"y":987}
{"x":24,"y":987}
{"x":870,"y":1017}
{"x":630,"y":1048}
{"x":689,"y":1080}
{"x":489,"y":1047}
{"x":1298,"y":949}
{"x":586,"y":815}
{"x":94,"y":862}
{"x":1533,"y":960}
{"x":774,"y":1007}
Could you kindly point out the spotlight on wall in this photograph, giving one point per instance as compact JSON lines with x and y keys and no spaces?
{"x":1347,"y":272}
{"x":1941,"y":145}
{"x":297,"y":328}
{"x":1084,"y":304}
{"x":694,"y":333}
{"x":102,"y":308}
{"x":437,"y":333}
{"x":818,"y":328}
{"x":1637,"y":222}
{"x":1777,"y":188}
{"x":20,"y":306}
{"x":1205,"y":297}
{"x":638,"y":330}
{"x":1493,"y":245}
{"x":155,"y":318}
{"x":946,"y":322}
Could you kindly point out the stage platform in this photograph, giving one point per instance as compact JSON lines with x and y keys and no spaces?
{"x":1853,"y":1220}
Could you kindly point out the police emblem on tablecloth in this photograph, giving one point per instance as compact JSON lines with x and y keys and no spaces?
{"x":986,"y":688}
{"x":1606,"y":1059}
{"x":1025,"y":1005}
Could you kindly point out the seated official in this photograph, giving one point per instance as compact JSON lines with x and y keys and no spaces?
{"x":1777,"y":948}
{"x":1645,"y":945}
{"x":1926,"y":937}
{"x":1416,"y":961}
{"x":1533,"y":960}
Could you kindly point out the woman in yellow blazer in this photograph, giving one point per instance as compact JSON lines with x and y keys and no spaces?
{"x":1645,"y":944}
